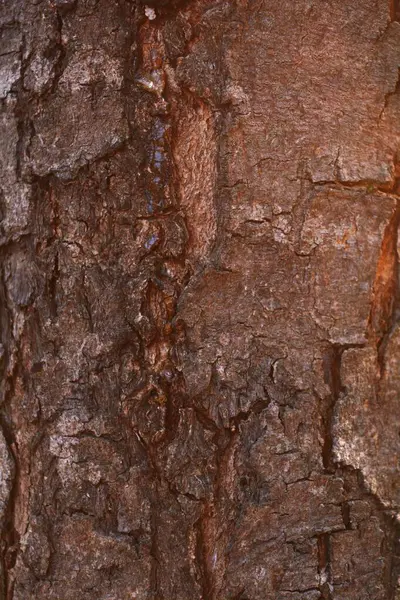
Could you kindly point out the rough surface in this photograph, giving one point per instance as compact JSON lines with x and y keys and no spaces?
{"x":200,"y":343}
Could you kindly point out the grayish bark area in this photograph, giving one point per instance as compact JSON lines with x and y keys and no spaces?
{"x":199,"y":308}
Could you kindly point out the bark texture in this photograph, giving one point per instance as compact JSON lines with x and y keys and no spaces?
{"x":199,"y":307}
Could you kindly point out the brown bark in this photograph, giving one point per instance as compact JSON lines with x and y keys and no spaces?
{"x":199,"y":307}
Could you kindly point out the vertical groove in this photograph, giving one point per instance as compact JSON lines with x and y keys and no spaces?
{"x":394,"y":7}
{"x":331,"y":363}
{"x":9,"y":536}
{"x":158,"y":110}
{"x":324,"y":565}
{"x":385,"y":289}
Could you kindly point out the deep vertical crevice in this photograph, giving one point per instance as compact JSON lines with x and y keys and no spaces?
{"x":157,"y":110}
{"x":345,"y":508}
{"x":394,"y":10}
{"x":332,"y":363}
{"x":385,"y":290}
{"x":384,"y":318}
{"x":324,"y":565}
{"x":203,"y":551}
{"x":155,"y":591}
{"x":392,"y":548}
{"x":10,"y":537}
{"x":52,"y":284}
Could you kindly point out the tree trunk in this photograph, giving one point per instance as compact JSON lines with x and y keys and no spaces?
{"x":200,"y":339}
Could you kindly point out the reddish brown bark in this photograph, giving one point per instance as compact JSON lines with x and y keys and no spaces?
{"x":199,"y":304}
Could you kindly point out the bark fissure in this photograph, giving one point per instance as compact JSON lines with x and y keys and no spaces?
{"x":161,"y":188}
{"x":385,"y":290}
{"x":10,"y":536}
{"x":395,"y":10}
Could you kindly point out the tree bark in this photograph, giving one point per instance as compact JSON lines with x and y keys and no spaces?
{"x":199,"y":307}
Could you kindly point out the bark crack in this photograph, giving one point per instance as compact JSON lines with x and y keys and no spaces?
{"x":10,"y":536}
{"x":385,"y":290}
{"x":394,"y":10}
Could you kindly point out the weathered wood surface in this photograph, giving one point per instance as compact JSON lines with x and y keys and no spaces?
{"x":200,"y":340}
